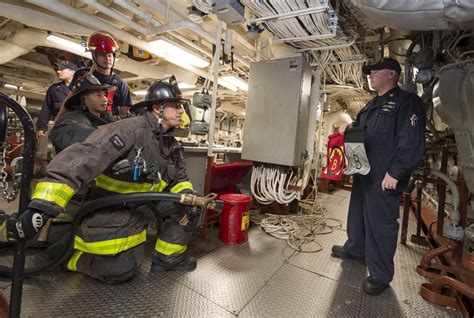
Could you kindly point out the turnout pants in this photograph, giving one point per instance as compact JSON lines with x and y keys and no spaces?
{"x":372,"y":226}
{"x":109,"y":245}
{"x":174,"y":233}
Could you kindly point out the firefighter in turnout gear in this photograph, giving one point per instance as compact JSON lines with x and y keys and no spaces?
{"x":86,"y":108}
{"x":138,"y":154}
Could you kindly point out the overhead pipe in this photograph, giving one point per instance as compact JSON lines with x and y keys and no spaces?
{"x":85,"y":19}
{"x":228,"y":41}
{"x":34,"y":66}
{"x":437,"y":14}
{"x":164,"y":28}
{"x":196,"y":28}
{"x":455,"y":216}
{"x":215,"y":75}
{"x":313,"y":108}
{"x":10,"y":51}
{"x":40,"y":20}
{"x":132,"y":7}
{"x":158,"y":8}
{"x":25,"y":40}
{"x":117,"y":16}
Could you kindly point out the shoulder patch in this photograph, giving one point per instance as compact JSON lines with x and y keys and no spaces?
{"x":117,"y":142}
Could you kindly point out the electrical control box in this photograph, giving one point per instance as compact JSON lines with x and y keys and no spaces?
{"x":278,"y":113}
{"x":230,"y":11}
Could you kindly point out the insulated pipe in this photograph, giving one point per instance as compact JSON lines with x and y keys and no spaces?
{"x":215,"y":76}
{"x":132,"y":7}
{"x":27,"y":39}
{"x":228,"y":41}
{"x":156,"y":6}
{"x":455,"y":217}
{"x":159,"y":8}
{"x":173,"y":26}
{"x":85,"y":19}
{"x":437,"y":14}
{"x":117,"y":16}
{"x":443,"y":281}
{"x":10,"y":51}
{"x":40,"y":20}
{"x":35,"y":66}
{"x":313,"y":107}
{"x":188,"y":25}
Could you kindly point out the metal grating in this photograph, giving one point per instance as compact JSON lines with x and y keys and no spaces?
{"x":261,"y":278}
{"x":232,"y":275}
{"x":294,"y":292}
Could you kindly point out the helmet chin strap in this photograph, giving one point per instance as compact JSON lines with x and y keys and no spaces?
{"x":160,"y":123}
{"x":94,"y":58}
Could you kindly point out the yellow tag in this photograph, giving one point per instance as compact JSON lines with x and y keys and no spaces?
{"x":140,"y":53}
{"x":245,"y":221}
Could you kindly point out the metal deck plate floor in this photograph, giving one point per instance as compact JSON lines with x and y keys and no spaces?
{"x":261,"y":278}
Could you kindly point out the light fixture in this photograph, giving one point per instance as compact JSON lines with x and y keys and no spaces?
{"x":183,"y":85}
{"x":226,"y":84}
{"x":173,"y":52}
{"x":140,"y":92}
{"x":75,"y":47}
{"x":11,"y":86}
{"x":236,"y":81}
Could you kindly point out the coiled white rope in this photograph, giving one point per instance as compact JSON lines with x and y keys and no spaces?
{"x":300,"y":231}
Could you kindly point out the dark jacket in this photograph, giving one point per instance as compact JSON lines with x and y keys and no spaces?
{"x":105,"y":148}
{"x":73,"y":127}
{"x":52,"y":102}
{"x":395,"y":132}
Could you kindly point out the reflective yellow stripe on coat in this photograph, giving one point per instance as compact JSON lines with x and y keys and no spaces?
{"x":182,"y":186}
{"x":118,"y":186}
{"x":110,"y":247}
{"x":58,"y":193}
{"x":169,"y":248}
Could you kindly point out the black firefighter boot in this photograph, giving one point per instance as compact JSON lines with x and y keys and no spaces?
{"x":187,"y":264}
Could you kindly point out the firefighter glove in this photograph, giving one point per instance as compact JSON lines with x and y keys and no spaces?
{"x":25,"y":226}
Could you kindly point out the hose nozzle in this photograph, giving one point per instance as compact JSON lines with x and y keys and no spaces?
{"x":208,"y":201}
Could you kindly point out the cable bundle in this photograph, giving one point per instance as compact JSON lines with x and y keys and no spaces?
{"x":272,"y":184}
{"x":337,"y":61}
{"x":203,"y":5}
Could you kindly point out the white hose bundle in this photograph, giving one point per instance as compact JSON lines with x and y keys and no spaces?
{"x":272,"y":184}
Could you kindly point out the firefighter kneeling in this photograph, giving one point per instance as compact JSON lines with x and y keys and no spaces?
{"x":138,"y":154}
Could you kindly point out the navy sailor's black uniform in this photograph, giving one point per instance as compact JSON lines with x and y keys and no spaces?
{"x":394,"y":142}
